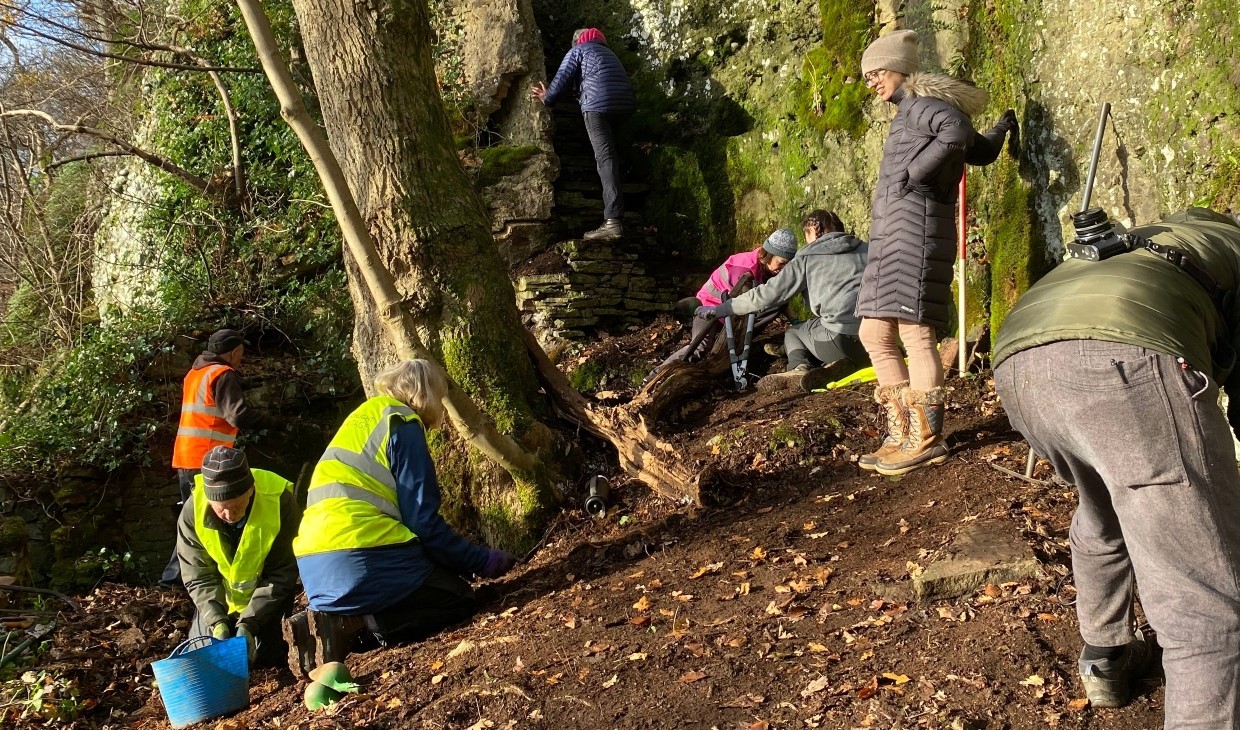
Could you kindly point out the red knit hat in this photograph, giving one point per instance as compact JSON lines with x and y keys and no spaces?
{"x":590,"y":34}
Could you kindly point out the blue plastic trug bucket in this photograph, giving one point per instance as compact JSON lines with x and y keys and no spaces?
{"x":204,"y":678}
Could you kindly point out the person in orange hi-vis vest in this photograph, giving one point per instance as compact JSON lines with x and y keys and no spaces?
{"x":213,"y":411}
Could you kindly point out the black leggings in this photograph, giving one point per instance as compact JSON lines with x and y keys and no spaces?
{"x":443,"y":600}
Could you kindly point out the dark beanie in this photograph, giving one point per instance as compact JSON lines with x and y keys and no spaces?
{"x":225,"y":341}
{"x":225,"y":474}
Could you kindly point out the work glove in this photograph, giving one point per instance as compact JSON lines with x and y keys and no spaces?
{"x":498,"y":563}
{"x":251,"y":646}
{"x":221,"y":630}
{"x":708,"y":313}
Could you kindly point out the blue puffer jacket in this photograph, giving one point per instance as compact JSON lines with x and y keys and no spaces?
{"x":596,"y":75}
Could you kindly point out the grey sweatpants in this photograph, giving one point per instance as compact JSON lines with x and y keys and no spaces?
{"x":1150,"y":452}
{"x":812,"y":344}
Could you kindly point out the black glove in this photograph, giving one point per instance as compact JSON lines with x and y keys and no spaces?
{"x":1008,"y":123}
{"x":708,"y":313}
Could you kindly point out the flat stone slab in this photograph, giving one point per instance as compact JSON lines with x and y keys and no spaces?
{"x":987,"y":551}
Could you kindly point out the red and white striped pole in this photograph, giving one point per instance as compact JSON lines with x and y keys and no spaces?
{"x":961,"y":234}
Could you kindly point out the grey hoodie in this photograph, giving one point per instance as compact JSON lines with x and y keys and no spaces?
{"x":828,"y":270}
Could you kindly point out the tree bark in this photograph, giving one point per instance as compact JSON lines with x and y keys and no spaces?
{"x":408,"y":194}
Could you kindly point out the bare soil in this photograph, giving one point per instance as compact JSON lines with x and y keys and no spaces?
{"x":790,"y":606}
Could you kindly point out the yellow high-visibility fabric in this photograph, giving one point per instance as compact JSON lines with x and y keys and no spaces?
{"x":242,"y":571}
{"x":351,"y":502}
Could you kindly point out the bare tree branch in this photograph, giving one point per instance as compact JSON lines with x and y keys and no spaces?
{"x":162,"y":163}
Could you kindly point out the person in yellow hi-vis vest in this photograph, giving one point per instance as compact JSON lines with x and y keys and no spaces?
{"x":373,"y":551}
{"x":235,"y":546}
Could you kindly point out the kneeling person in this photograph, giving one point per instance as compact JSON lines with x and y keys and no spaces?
{"x":235,"y":546}
{"x":828,"y":270}
{"x":374,"y":551}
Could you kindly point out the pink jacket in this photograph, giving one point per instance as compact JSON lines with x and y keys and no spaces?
{"x":728,"y":273}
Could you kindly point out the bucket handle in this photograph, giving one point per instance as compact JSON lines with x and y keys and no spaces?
{"x":197,"y":641}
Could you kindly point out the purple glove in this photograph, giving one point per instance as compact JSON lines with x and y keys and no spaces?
{"x":498,"y":563}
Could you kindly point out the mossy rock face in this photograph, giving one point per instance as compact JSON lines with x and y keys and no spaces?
{"x":501,"y":161}
{"x":13,"y":534}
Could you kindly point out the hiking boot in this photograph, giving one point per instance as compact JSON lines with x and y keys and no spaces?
{"x":609,"y":231}
{"x":775,"y":349}
{"x":783,"y":381}
{"x":923,"y":444}
{"x":1108,"y":682}
{"x":891,"y":398}
{"x":819,"y":378}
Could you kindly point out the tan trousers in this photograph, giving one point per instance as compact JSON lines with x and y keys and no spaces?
{"x":881,"y":338}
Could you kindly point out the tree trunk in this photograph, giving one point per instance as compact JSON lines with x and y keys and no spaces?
{"x":442,"y":306}
{"x":425,"y":224}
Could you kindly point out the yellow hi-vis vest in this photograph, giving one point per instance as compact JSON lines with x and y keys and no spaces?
{"x":242,"y":571}
{"x":351,"y":502}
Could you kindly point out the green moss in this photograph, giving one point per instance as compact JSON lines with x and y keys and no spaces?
{"x":830,"y":94}
{"x":13,"y":534}
{"x":501,"y":161}
{"x":1001,"y":203}
{"x":499,"y":392}
{"x":587,"y":377}
{"x":785,"y":436}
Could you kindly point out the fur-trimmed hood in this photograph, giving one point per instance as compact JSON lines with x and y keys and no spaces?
{"x":961,"y":94}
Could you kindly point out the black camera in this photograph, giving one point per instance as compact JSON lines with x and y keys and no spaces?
{"x":1096,"y":238}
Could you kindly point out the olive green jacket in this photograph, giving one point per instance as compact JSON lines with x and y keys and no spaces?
{"x":1137,"y":298}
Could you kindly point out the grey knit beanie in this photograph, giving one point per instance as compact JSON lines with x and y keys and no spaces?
{"x":781,"y":243}
{"x":225,"y":474}
{"x":896,"y":51}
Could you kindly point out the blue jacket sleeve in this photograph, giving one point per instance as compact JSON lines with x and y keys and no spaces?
{"x":567,"y":77}
{"x":417,"y":494}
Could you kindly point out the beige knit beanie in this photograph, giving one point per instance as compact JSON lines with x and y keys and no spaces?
{"x":896,"y":51}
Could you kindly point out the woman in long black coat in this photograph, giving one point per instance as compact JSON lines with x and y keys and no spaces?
{"x":906,"y":288}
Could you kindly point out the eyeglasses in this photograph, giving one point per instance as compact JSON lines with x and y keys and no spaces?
{"x":873,"y":76}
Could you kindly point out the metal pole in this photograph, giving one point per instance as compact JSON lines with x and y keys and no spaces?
{"x":961,"y":235}
{"x":1093,"y":162}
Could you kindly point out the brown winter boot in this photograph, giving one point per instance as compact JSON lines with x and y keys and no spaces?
{"x":924,"y":443}
{"x":782,"y":381}
{"x":891,"y":398}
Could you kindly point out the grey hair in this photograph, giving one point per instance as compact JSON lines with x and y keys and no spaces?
{"x":577,"y":34}
{"x":418,"y":384}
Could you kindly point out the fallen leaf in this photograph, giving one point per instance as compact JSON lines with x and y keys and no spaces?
{"x":392,"y":704}
{"x":682,"y":597}
{"x":597,"y":648}
{"x":817,"y":648}
{"x":555,"y":678}
{"x":461,"y":648}
{"x":438,"y":678}
{"x":759,"y":725}
{"x":1033,"y":680}
{"x":640,"y":621}
{"x":897,"y":678}
{"x":817,"y":685}
{"x":570,"y":622}
{"x":436,"y":665}
{"x":643,"y":604}
{"x":772,"y":609}
{"x":1078,"y":705}
{"x":1048,"y":617}
{"x":747,"y":701}
{"x":743,"y":589}
{"x":611,"y":681}
{"x":808,"y":526}
{"x":738,"y":642}
{"x":764,"y":510}
{"x":637,"y":656}
{"x":992,"y":590}
{"x":667,"y":612}
{"x":691,"y":677}
{"x":759,"y":553}
{"x":706,"y":569}
{"x":482,"y":724}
